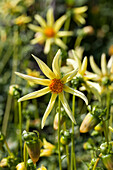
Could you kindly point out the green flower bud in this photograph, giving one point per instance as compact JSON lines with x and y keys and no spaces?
{"x":88,"y":123}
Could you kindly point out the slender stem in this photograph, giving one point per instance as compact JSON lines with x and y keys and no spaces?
{"x":59,"y":105}
{"x":67,"y":151}
{"x":27,"y":124}
{"x":66,"y":28}
{"x":107,"y":113}
{"x":73,"y":158}
{"x":10,"y":153}
{"x":25,"y":156}
{"x":6,"y":58}
{"x":105,"y":132}
{"x":9,"y":98}
{"x":78,"y":41}
{"x":15,"y":112}
{"x":20,"y":126}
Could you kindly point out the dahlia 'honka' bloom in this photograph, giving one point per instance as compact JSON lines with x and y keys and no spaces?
{"x":10,"y":6}
{"x":105,"y":74}
{"x":55,"y":84}
{"x":48,"y":148}
{"x":79,"y":15}
{"x":83,"y":75}
{"x":48,"y":32}
{"x":33,"y":73}
{"x":22,"y":19}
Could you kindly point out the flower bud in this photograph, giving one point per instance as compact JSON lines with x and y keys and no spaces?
{"x":108,"y":161}
{"x":55,"y":124}
{"x":33,"y":145}
{"x":65,"y":138}
{"x":88,"y":123}
{"x":4,"y":163}
{"x":42,"y":168}
{"x":14,"y":90}
{"x":88,"y":30}
{"x":20,"y":166}
{"x":99,"y":127}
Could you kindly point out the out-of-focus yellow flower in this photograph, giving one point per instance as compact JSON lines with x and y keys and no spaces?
{"x":42,"y":168}
{"x":105,"y":74}
{"x":48,"y":32}
{"x":33,"y":73}
{"x":48,"y":148}
{"x":83,"y":76}
{"x":21,"y":20}
{"x":55,"y":84}
{"x":20,"y":166}
{"x":79,"y":14}
{"x":10,"y":6}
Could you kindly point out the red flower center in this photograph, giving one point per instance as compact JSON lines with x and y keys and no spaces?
{"x":56,"y":86}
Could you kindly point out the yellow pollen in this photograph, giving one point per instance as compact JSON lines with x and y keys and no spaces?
{"x":49,"y":32}
{"x":56,"y":86}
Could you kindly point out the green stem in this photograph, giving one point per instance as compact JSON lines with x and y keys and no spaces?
{"x":20,"y":126}
{"x":108,"y":112}
{"x":10,"y":153}
{"x":78,"y":41}
{"x":105,"y":132}
{"x":25,"y":156}
{"x":73,"y":158}
{"x":67,"y":151}
{"x":59,"y":105}
{"x":15,"y":112}
{"x":66,"y":28}
{"x":6,"y":58}
{"x":27,"y":124}
{"x":9,"y":98}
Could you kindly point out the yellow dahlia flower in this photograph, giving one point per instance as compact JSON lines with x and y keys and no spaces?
{"x":48,"y":32}
{"x":105,"y":74}
{"x":79,"y":14}
{"x":48,"y":148}
{"x":22,"y":19}
{"x":10,"y":7}
{"x":74,"y":61}
{"x":55,"y":84}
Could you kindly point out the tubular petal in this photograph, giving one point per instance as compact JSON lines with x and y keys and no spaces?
{"x":103,"y":64}
{"x":80,"y":10}
{"x":49,"y":108}
{"x":66,"y":107}
{"x":60,"y":43}
{"x":76,"y":93}
{"x":110,"y":64}
{"x":40,"y":20}
{"x":34,"y":79}
{"x":37,"y":39}
{"x":69,"y":76}
{"x":94,"y":67}
{"x":72,"y":62}
{"x":58,"y":24}
{"x":64,"y":33}
{"x":77,"y":58}
{"x":50,"y":17}
{"x":55,"y":64}
{"x":35,"y":28}
{"x":35,"y":94}
{"x":47,"y":45}
{"x":84,"y":66}
{"x":45,"y":69}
